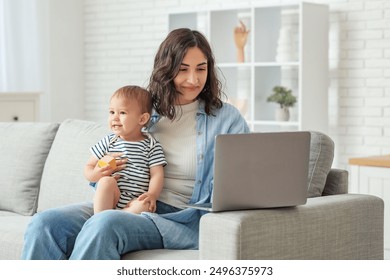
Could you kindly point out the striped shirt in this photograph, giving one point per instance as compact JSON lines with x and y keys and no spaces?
{"x":141,"y":156}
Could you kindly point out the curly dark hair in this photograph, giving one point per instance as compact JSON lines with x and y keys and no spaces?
{"x":167,"y":64}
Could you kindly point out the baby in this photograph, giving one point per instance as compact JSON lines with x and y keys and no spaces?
{"x":127,"y":165}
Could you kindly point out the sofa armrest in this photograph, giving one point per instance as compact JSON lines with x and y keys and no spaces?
{"x":347,"y":226}
{"x":336,"y":182}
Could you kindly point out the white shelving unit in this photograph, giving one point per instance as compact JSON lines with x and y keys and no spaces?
{"x":287,"y":46}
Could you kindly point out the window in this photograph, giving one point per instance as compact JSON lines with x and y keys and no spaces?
{"x":20,"y":52}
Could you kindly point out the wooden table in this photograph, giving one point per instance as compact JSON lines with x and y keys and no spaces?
{"x":378,"y":161}
{"x":371,"y":175}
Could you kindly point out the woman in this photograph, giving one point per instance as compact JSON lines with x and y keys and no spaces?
{"x":188,"y":115}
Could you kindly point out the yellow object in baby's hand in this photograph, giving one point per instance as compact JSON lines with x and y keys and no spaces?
{"x":107,"y":160}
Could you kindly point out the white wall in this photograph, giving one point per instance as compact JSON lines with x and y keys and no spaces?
{"x":62,"y":52}
{"x":121,"y":38}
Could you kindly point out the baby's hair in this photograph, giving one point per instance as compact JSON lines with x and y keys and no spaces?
{"x":141,"y":95}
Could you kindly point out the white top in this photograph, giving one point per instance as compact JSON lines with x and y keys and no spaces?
{"x":180,"y":153}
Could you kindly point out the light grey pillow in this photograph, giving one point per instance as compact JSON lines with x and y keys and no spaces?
{"x":320,"y":162}
{"x":63,"y":180}
{"x":23,"y":150}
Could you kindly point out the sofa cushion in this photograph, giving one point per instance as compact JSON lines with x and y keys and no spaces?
{"x":162,"y":254}
{"x":63,"y":180}
{"x":23,"y":149}
{"x":12,"y":231}
{"x":320,"y":162}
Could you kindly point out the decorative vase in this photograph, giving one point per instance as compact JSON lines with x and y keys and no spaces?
{"x":285,"y":49}
{"x":282,"y":114}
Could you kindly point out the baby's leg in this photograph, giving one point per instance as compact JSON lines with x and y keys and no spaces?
{"x":136,"y":206}
{"x":107,"y":194}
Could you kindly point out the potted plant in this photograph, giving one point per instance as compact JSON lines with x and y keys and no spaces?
{"x":284,"y":97}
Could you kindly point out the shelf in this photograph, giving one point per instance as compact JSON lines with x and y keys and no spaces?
{"x":234,"y":64}
{"x":278,"y":64}
{"x":259,"y":64}
{"x":276,"y":123}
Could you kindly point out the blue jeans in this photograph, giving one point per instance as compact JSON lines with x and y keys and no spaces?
{"x":73,"y":232}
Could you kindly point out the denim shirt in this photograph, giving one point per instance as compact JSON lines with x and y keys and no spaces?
{"x":180,"y":230}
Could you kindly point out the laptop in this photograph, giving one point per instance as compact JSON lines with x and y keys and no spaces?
{"x":259,"y":170}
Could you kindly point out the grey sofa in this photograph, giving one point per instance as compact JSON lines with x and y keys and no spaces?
{"x":42,"y":167}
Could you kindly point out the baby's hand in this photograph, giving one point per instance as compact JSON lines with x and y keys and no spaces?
{"x":99,"y":172}
{"x":107,"y":160}
{"x":120,"y":163}
{"x":149,"y":198}
{"x":136,"y":206}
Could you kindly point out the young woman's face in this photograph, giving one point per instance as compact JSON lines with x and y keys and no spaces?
{"x":192,"y":76}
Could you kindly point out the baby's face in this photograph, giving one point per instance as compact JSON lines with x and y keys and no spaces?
{"x":125,"y":117}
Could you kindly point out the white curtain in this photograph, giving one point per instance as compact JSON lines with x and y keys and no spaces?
{"x":20,"y":56}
